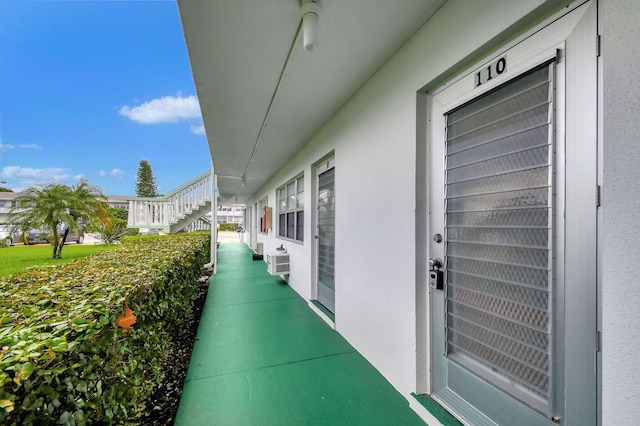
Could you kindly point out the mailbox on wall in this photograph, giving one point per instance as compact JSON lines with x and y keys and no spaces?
{"x":266,"y":217}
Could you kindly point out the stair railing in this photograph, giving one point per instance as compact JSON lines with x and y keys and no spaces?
{"x":162,"y":212}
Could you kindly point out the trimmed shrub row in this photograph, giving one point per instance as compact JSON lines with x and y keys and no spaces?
{"x":63,"y":359}
{"x":228,"y":226}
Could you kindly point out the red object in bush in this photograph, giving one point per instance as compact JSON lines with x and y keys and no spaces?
{"x":126,"y":320}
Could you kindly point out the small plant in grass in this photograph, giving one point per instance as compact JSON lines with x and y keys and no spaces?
{"x":111,"y":233}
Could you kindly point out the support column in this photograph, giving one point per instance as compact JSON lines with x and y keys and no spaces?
{"x":214,"y":222}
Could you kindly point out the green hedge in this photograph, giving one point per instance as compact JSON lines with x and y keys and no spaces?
{"x":228,"y":226}
{"x":63,"y":360}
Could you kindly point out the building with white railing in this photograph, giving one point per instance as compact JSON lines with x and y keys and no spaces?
{"x":184,"y":208}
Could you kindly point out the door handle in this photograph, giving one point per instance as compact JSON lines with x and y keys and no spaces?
{"x":436,"y":274}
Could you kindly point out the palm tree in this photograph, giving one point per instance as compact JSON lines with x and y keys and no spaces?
{"x":38,"y":207}
{"x":60,"y":209}
{"x":88,"y":208}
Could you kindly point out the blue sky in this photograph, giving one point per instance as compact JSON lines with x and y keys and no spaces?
{"x":90,"y":88}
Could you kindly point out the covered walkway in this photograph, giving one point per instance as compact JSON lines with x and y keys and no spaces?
{"x":262,"y":357}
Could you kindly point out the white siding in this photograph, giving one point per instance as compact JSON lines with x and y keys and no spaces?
{"x":621,"y":213}
{"x":374,"y":138}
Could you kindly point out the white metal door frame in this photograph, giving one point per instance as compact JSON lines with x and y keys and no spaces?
{"x":324,"y":261}
{"x":576,"y":117}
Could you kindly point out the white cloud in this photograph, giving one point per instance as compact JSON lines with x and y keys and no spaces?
{"x":28,"y":176}
{"x":5,"y":146}
{"x":113,"y":173}
{"x":21,"y":178}
{"x":168,"y":109}
{"x":198,"y":130}
{"x":30,"y":146}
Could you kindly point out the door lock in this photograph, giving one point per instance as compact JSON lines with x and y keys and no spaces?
{"x":436,"y":274}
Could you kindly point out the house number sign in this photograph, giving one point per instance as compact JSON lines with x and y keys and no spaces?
{"x":491,"y":71}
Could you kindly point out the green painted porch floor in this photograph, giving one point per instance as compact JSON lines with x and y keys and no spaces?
{"x":262,"y":357}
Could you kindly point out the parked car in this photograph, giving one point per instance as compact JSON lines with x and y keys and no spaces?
{"x":33,"y":236}
{"x":75,"y":237}
{"x":7,"y":236}
{"x":72,"y":237}
{"x":37,"y":236}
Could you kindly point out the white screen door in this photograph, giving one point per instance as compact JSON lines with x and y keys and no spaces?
{"x":326,"y":235}
{"x":498,"y":232}
{"x":518,"y":269}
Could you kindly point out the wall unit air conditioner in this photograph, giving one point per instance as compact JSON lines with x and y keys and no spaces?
{"x":278,"y":263}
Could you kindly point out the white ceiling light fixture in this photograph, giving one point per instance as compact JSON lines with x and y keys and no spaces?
{"x":310,"y":10}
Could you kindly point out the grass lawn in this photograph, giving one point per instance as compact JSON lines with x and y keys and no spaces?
{"x":16,"y":258}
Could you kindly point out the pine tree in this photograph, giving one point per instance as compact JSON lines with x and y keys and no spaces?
{"x":146,"y":182}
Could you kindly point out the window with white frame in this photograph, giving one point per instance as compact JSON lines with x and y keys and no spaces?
{"x":261,"y":206}
{"x":291,"y":210}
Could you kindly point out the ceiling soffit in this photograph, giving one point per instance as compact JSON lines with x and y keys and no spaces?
{"x":262,"y":95}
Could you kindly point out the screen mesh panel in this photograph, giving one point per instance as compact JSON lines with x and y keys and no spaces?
{"x":499,"y":236}
{"x":326,"y":238}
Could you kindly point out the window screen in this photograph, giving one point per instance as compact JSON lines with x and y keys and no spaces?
{"x":499,"y":271}
{"x":291,"y":210}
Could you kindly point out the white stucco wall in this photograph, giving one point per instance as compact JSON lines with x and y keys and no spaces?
{"x":621,"y":212}
{"x":374,"y":138}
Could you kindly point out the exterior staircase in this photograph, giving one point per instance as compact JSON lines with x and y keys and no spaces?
{"x":182,"y":209}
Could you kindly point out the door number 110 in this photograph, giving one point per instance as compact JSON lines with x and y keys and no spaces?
{"x":491,"y":71}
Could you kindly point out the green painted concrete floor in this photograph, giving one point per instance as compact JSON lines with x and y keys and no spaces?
{"x":262,"y":357}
